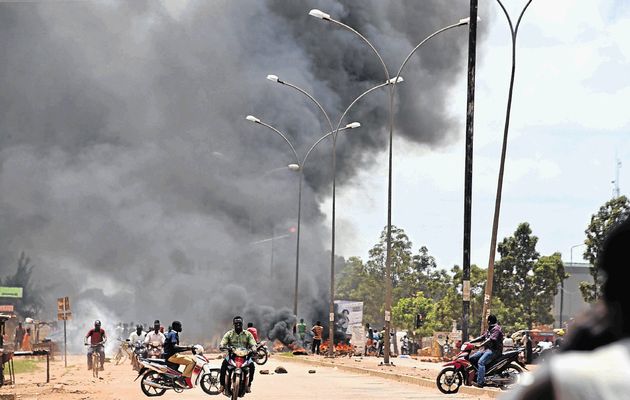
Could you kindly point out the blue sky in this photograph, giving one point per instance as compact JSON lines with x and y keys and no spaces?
{"x":569,"y":123}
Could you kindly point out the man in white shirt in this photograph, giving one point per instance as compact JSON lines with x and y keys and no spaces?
{"x":137,"y":336}
{"x":155,"y":335}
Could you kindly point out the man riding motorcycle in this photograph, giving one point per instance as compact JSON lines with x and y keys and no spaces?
{"x":171,"y":350}
{"x":155,"y":335}
{"x":137,"y":336}
{"x":238,"y":338}
{"x":492,"y":342}
{"x":97,"y":339}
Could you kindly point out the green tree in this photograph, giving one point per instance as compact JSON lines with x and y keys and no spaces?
{"x":356,"y":283}
{"x":410,"y":274}
{"x":405,"y":310}
{"x":449,"y":308}
{"x":401,"y":256}
{"x":524,"y":282}
{"x":31,"y":302}
{"x":608,"y":216}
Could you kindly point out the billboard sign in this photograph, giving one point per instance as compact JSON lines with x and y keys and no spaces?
{"x":12,"y":292}
{"x":350,"y":314}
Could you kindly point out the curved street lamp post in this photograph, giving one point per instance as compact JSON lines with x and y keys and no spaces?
{"x":274,"y":78}
{"x":299,"y":167}
{"x":388,"y":282}
{"x":497,"y":205}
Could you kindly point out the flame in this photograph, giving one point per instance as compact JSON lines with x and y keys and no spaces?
{"x":340,"y":348}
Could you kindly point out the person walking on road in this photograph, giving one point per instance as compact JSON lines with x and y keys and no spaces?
{"x":317,"y":330}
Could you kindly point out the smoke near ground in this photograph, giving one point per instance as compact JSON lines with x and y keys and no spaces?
{"x":130,"y":177}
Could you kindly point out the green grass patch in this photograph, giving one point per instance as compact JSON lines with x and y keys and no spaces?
{"x":23,"y":366}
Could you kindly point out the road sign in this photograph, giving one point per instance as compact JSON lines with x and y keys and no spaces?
{"x":13,"y":292}
{"x":67,"y":316}
{"x":63,"y":304}
{"x":64,"y":314}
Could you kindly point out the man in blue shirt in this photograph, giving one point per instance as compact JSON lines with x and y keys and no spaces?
{"x":171,"y":354}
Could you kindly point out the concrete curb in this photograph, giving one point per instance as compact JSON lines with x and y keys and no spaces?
{"x":391,"y":376}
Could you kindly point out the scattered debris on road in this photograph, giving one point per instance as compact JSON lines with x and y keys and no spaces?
{"x":280,"y":370}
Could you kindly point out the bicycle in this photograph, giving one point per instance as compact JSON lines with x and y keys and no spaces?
{"x":124,"y":350}
{"x":96,"y":359}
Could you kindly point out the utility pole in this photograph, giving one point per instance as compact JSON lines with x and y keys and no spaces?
{"x":470,"y":114}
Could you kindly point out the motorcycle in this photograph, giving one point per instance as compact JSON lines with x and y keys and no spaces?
{"x":237,"y":375}
{"x":159,"y":375}
{"x":154,"y":350}
{"x":502,"y":372}
{"x":139,"y":352}
{"x":262,"y":353}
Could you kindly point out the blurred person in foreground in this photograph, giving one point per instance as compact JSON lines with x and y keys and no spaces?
{"x":595,"y":358}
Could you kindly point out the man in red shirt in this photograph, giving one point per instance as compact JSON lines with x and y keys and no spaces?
{"x":97,"y":339}
{"x":252,"y":330}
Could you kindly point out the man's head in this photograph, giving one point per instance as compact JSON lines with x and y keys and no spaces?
{"x":345,"y":312}
{"x":318,"y":323}
{"x":176,"y":326}
{"x":492,"y":319}
{"x":250,"y":324}
{"x":301,"y":320}
{"x":139,"y":329}
{"x":156,"y":325}
{"x":238,"y":324}
{"x":19,"y":324}
{"x":97,"y":324}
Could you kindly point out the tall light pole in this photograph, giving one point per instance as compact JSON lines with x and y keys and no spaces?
{"x":388,"y":269}
{"x":497,"y":205}
{"x":562,"y":282}
{"x":331,"y":315}
{"x":298,"y":167}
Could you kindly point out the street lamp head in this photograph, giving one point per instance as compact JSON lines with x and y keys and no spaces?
{"x":252,"y":119}
{"x":353,"y":125}
{"x":294,"y":167}
{"x":466,"y":21}
{"x":273,"y":78}
{"x":319,"y":14}
{"x":394,"y":80}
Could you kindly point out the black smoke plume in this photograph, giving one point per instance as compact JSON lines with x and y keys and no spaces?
{"x":128,"y":172}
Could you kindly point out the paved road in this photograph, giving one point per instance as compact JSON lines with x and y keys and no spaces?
{"x":117,"y":383}
{"x":330,"y":384}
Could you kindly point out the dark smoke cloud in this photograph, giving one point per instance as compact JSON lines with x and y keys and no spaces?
{"x":130,"y":177}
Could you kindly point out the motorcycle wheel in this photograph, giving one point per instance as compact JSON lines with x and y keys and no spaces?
{"x":515,"y":371}
{"x":210,"y":381}
{"x":449,"y":380}
{"x":236,"y":387}
{"x":151,"y":391}
{"x":261,"y":357}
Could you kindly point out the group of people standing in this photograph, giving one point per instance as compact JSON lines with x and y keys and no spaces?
{"x":316,"y":331}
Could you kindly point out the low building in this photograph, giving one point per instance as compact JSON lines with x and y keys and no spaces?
{"x":572,"y":301}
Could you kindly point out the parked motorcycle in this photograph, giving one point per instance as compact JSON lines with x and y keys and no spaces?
{"x":154,"y":349}
{"x":237,"y":376}
{"x":262,"y":353}
{"x":501,"y":372}
{"x":159,"y":375}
